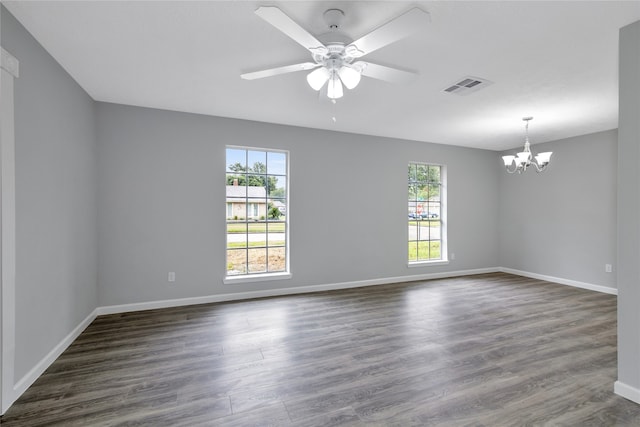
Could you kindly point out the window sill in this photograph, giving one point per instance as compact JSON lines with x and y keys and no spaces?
{"x":428,"y":263}
{"x":229,"y":280}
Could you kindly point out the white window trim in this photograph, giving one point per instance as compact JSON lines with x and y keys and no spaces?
{"x":260,"y":277}
{"x":427,"y":263}
{"x":444,"y":238}
{"x":256,"y":277}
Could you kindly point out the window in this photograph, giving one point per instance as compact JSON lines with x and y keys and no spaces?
{"x":426,"y":210}
{"x":256,"y":204}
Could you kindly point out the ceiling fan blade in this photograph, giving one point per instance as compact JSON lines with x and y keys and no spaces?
{"x":282,"y":22}
{"x":394,"y":30}
{"x":381,"y":72}
{"x":279,"y":70}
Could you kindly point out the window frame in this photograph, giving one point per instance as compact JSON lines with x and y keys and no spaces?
{"x":444,"y":253}
{"x":262,"y":275}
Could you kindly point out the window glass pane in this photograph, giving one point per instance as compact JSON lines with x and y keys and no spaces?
{"x":276,"y":235}
{"x":276,"y":188}
{"x":236,"y":160}
{"x":413,"y":230}
{"x":422,"y":173}
{"x":236,"y":261}
{"x":434,"y":210}
{"x":434,"y":174}
{"x":277,"y":259}
{"x":277,"y":210}
{"x":256,"y":185}
{"x":412,"y":210}
{"x":237,"y":180}
{"x":413,"y":251}
{"x":413,"y":192}
{"x":424,"y":231}
{"x":257,"y":161}
{"x":434,"y":250}
{"x":434,"y":192}
{"x":257,"y":260}
{"x":257,"y":234}
{"x":435,"y":230}
{"x":422,"y":191}
{"x":237,"y":235}
{"x":257,"y":228}
{"x":412,"y":172}
{"x":276,"y":163}
{"x":423,"y":251}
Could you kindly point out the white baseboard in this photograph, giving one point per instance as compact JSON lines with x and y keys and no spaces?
{"x":626,"y":391}
{"x":124,"y":308}
{"x":568,"y":282}
{"x":25,"y":382}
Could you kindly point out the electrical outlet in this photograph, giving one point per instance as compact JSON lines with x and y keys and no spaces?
{"x":608,"y":268}
{"x":172,"y":276}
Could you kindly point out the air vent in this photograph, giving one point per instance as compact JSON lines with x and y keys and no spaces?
{"x":467,"y":85}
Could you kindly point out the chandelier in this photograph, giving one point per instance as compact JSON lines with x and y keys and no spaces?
{"x":522,"y":160}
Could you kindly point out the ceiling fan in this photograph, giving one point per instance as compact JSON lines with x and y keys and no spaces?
{"x":336,"y":62}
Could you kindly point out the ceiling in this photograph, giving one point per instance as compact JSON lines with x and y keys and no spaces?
{"x":555,"y":61}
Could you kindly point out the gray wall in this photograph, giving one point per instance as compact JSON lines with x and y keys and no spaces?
{"x":562,"y":222}
{"x":161,"y":187}
{"x":56,"y":238}
{"x":629,"y":209}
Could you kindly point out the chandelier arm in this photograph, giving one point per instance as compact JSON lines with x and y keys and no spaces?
{"x":538,"y":167}
{"x":511,"y":171}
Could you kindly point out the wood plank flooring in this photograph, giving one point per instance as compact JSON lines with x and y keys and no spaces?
{"x":486,"y":350}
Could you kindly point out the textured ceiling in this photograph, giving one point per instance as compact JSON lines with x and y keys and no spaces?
{"x":556,"y":61}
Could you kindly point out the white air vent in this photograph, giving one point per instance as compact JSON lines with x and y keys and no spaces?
{"x":467,"y":85}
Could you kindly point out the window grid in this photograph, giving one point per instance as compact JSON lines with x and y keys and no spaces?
{"x":425,"y":213}
{"x":256,"y":240}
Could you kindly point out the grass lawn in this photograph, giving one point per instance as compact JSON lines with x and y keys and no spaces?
{"x":424,"y":251}
{"x":255,"y":227}
{"x":426,"y":223}
{"x":262,"y":244}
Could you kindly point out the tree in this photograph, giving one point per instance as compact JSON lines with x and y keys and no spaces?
{"x":254,"y":176}
{"x":237,"y":167}
{"x":424,"y":181}
{"x":274,"y":212}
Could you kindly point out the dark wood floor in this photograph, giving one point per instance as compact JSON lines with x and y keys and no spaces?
{"x":493,"y":350}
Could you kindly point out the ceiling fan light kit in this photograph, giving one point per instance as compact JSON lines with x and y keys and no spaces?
{"x":335,"y":62}
{"x":522,"y":160}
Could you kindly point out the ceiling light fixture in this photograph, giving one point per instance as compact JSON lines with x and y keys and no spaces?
{"x":318,"y":77}
{"x":338,"y":71}
{"x":334,"y":90}
{"x":525,"y":158}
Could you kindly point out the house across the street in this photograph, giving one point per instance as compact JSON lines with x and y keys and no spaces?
{"x":238,"y":196}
